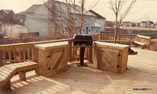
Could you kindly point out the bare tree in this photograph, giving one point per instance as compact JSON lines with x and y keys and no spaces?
{"x":120,"y":12}
{"x":66,"y":15}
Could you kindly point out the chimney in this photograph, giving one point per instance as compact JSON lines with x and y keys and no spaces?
{"x":51,"y":23}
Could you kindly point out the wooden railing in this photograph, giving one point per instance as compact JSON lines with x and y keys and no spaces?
{"x":20,"y":52}
{"x":14,"y":53}
{"x":121,"y":38}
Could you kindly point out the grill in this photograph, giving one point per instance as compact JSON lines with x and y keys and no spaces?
{"x":82,"y":41}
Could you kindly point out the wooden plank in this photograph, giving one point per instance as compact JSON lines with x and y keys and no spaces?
{"x":90,"y":55}
{"x":22,"y":75}
{"x":33,"y":54}
{"x":28,"y":53}
{"x":48,"y":46}
{"x":4,"y":57}
{"x":19,"y":51}
{"x":141,"y":36}
{"x":1,"y":59}
{"x":140,"y":43}
{"x":24,"y":54}
{"x":122,"y":62}
{"x":70,"y":50}
{"x":81,"y":80}
{"x":36,"y":55}
{"x":109,"y":60}
{"x":15,"y":55}
{"x":99,"y":57}
{"x":149,"y":43}
{"x":6,"y":87}
{"x":10,"y":59}
{"x":58,"y":61}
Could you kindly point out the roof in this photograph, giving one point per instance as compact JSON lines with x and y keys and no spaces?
{"x":78,"y":8}
{"x":33,"y":8}
{"x":21,"y":13}
{"x":97,"y":15}
{"x":7,"y":11}
{"x":150,"y":22}
{"x":143,"y":22}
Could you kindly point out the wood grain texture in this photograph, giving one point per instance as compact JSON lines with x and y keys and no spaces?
{"x":111,"y":57}
{"x":109,"y":60}
{"x":53,"y":59}
{"x":142,"y":73}
{"x":1,"y":60}
{"x":8,"y":71}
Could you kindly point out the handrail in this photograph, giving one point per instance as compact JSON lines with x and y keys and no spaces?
{"x":32,"y":43}
{"x":25,"y":51}
{"x":20,"y":52}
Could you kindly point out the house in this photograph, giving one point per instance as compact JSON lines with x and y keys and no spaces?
{"x":147,"y":24}
{"x":151,"y":24}
{"x":137,"y":24}
{"x":39,"y":20}
{"x":19,"y":18}
{"x":109,"y":24}
{"x":99,"y":24}
{"x":128,"y":24}
{"x":34,"y":14}
{"x":6,"y":16}
{"x":144,"y":24}
{"x":156,"y":25}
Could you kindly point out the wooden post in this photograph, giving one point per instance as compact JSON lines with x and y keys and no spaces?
{"x":15,"y":56}
{"x":37,"y":71}
{"x":99,"y":57}
{"x":33,"y":54}
{"x":6,"y":87}
{"x":100,"y":36}
{"x":118,"y":37}
{"x":22,"y":75}
{"x":149,"y":43}
{"x":28,"y":54}
{"x":10,"y":59}
{"x":70,"y":49}
{"x":90,"y":55}
{"x":24,"y":54}
{"x":19,"y":55}
{"x":4,"y":57}
{"x":1,"y":59}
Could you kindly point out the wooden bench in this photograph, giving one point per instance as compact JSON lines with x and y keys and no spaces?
{"x":143,"y":41}
{"x":8,"y":71}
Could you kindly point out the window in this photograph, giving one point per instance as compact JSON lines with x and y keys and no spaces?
{"x":97,"y":31}
{"x":66,"y":28}
{"x":92,"y":28}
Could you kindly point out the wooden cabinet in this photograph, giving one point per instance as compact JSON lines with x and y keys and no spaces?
{"x":52,"y":58}
{"x":110,"y":56}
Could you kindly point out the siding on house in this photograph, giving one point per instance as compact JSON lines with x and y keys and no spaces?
{"x":38,"y":20}
{"x":19,"y":18}
{"x":6,"y":16}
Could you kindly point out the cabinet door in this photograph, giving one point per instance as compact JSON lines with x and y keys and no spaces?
{"x":56,"y":61}
{"x":109,"y":59}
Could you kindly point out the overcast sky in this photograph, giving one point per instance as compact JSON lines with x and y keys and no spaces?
{"x":143,"y":9}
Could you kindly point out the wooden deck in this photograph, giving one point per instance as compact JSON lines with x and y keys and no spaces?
{"x":142,"y":73}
